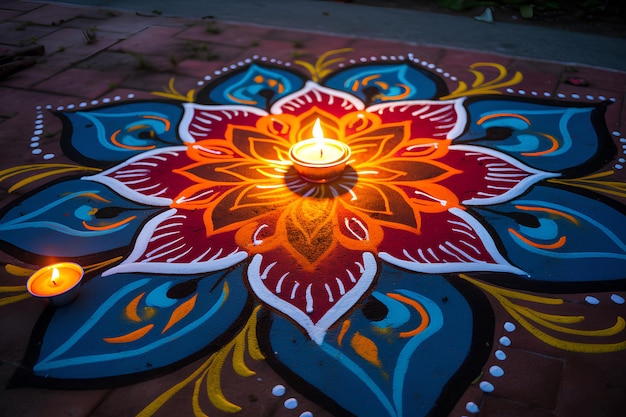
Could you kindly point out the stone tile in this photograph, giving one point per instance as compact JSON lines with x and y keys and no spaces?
{"x":121,"y":27}
{"x":472,"y":395}
{"x":21,"y":402}
{"x":148,"y":81}
{"x":81,"y":82}
{"x":28,"y":76}
{"x":367,"y":48}
{"x":154,"y":40}
{"x":229,"y":34}
{"x":22,"y":33}
{"x":50,"y":15}
{"x":598,"y":383}
{"x":22,"y":6}
{"x":278,"y":50}
{"x":500,"y":407}
{"x":194,"y":68}
{"x":8,"y":14}
{"x":17,"y":322}
{"x":598,"y":78}
{"x":529,"y":378}
{"x":538,"y":77}
{"x":110,"y":61}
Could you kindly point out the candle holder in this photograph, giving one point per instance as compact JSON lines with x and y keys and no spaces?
{"x":319,"y":164}
{"x":59,"y":283}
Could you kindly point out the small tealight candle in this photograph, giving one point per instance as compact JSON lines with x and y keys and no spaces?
{"x":59,"y":283}
{"x":319,"y":159}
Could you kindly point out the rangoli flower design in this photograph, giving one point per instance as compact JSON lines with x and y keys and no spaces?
{"x":198,"y":227}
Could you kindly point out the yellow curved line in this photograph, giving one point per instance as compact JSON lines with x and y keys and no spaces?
{"x":37,"y":177}
{"x":108,"y":226}
{"x":18,"y":271}
{"x":96,"y":266}
{"x":14,"y":299}
{"x":500,"y":295}
{"x":253,"y":343}
{"x":130,"y":337}
{"x":559,"y":243}
{"x":13,"y":288}
{"x":214,"y":385}
{"x":513,"y":294}
{"x":155,"y":405}
{"x":619,"y":325}
{"x":239,"y":349}
{"x":563,"y":344}
{"x":420,"y":309}
{"x":195,"y":398}
{"x":554,"y":147}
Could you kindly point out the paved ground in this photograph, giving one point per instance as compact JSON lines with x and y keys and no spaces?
{"x":95,"y":56}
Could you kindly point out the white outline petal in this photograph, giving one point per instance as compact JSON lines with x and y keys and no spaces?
{"x":141,"y":244}
{"x":518,"y":189}
{"x":501,"y":265}
{"x":316,"y":332}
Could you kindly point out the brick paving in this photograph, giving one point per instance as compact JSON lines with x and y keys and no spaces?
{"x":132,"y":55}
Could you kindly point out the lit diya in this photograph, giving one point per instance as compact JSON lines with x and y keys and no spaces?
{"x":59,"y":283}
{"x":319,"y":159}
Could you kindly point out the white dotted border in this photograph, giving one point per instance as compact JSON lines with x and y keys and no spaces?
{"x":622,"y":159}
{"x":290,"y":403}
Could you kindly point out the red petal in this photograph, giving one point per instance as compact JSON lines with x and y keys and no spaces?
{"x":312,"y":96}
{"x":451,"y":241}
{"x":175,"y":242}
{"x":487,"y":176}
{"x":210,"y":122}
{"x":314,"y":299}
{"x":148,"y":178}
{"x":429,"y":119}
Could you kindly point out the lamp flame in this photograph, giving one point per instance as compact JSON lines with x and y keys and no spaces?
{"x":318,"y":134}
{"x":55,"y":276}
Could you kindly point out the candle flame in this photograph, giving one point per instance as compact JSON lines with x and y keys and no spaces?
{"x":318,"y":134}
{"x":55,"y":276}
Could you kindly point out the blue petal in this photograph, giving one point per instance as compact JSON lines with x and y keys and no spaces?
{"x":560,"y":236}
{"x":72,"y":219}
{"x":385,"y":377}
{"x":257,"y":85}
{"x":103,"y":333}
{"x":112,"y":134}
{"x":550,"y":137}
{"x":380,"y":83}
